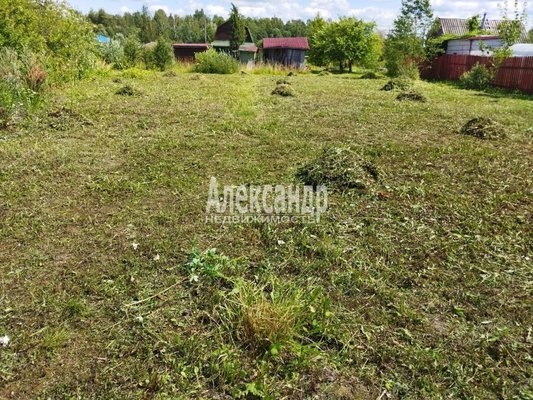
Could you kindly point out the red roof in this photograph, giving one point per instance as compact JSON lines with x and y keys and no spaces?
{"x":299,"y":43}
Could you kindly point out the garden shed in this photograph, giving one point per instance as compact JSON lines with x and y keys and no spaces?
{"x":185,"y":52}
{"x":289,"y":52}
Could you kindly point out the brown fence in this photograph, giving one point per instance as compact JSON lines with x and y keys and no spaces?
{"x":515,"y":73}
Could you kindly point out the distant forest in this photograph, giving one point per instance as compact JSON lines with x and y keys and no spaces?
{"x":196,"y":28}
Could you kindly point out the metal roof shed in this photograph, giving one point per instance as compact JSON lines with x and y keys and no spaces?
{"x":285,"y":51}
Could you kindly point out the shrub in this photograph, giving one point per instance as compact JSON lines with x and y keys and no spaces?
{"x":132,"y":51}
{"x":402,"y":55}
{"x":113,"y":54}
{"x":478,"y":78}
{"x":212,"y":62}
{"x":409,"y":70}
{"x":162,"y":56}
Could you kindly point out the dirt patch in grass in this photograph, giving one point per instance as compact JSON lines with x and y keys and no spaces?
{"x":65,"y":118}
{"x":324,"y":73}
{"x":484,"y":128}
{"x":412,"y":95}
{"x":339,"y":168}
{"x":284,"y":90}
{"x":127,"y":90}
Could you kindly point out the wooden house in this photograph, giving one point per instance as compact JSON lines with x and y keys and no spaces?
{"x":247,"y":51}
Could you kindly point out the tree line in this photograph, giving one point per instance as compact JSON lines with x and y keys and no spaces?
{"x":195,"y":28}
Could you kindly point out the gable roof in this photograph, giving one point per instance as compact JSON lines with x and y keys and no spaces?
{"x":459,"y":26}
{"x":299,"y":43}
{"x":224,"y":30}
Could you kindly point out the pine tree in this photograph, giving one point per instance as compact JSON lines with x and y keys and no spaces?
{"x":238,"y":32}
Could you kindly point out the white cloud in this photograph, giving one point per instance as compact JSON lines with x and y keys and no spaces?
{"x":212,"y":9}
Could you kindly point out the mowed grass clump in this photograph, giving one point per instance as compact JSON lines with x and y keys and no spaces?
{"x":398,"y":83}
{"x":484,"y":128}
{"x":284,"y":90}
{"x":127,"y":90}
{"x":340,"y":168}
{"x":412,"y":95}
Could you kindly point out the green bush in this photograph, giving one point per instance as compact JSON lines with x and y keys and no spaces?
{"x":113,"y":54}
{"x":402,"y":56}
{"x":59,"y":36}
{"x":157,"y":55}
{"x":162,"y":55}
{"x":132,"y":51}
{"x":409,"y":70}
{"x":212,"y":62}
{"x":478,"y":78}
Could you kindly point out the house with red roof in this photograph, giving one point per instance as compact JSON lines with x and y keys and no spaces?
{"x":289,"y":52}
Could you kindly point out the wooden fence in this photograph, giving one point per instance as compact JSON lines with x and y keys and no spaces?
{"x":515,"y":73}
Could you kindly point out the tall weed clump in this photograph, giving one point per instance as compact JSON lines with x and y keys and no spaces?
{"x":22,"y":84}
{"x":212,"y":62}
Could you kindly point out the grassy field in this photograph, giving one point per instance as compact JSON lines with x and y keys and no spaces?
{"x":418,"y":288}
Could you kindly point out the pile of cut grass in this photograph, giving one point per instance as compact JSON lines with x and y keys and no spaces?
{"x":284,"y":90}
{"x":412,"y":95}
{"x":484,"y":128}
{"x":339,"y":168}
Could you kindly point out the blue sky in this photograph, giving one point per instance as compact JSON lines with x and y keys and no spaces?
{"x":382,"y":12}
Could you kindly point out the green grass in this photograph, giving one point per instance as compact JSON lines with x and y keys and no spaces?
{"x":419,"y":287}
